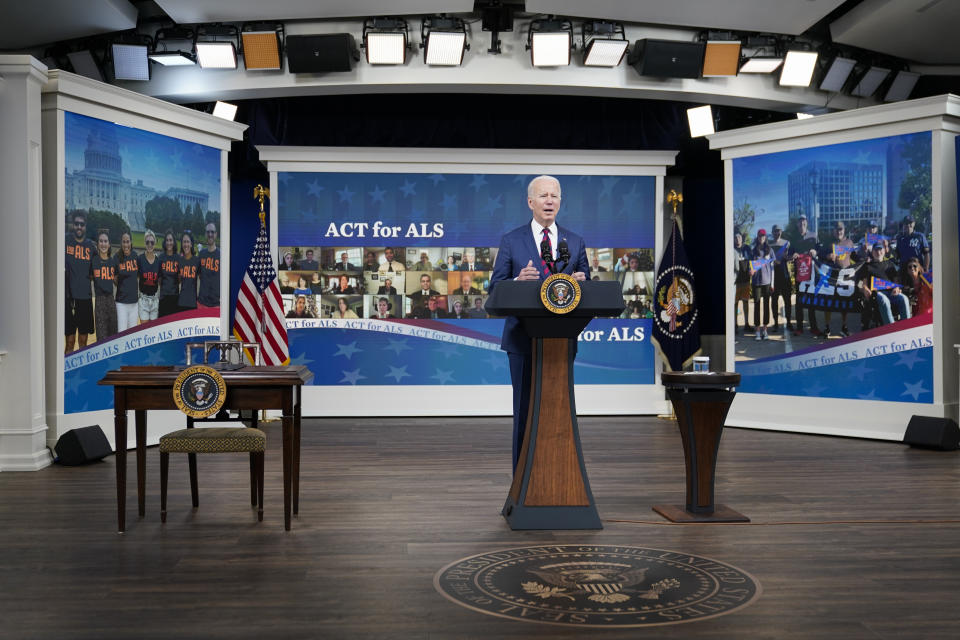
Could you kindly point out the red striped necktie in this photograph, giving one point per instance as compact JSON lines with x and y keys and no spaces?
{"x":547,"y":265}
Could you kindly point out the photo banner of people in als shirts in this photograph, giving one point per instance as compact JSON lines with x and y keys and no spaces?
{"x":834,"y":289}
{"x":385,"y":276}
{"x":142,"y":252}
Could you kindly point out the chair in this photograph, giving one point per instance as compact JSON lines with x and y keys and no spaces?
{"x":213,"y":440}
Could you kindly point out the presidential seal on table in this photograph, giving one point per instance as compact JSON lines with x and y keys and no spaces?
{"x":199,"y":391}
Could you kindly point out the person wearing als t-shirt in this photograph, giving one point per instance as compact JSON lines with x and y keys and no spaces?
{"x":189,"y":264}
{"x":209,"y":271}
{"x":127,"y":283}
{"x":169,"y":276}
{"x":104,"y":269}
{"x":78,"y":323}
{"x":148,"y":266}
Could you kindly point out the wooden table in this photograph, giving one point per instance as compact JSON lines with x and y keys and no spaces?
{"x":701,"y":402}
{"x":143,"y":388}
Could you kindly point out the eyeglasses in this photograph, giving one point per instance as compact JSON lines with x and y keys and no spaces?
{"x":79,"y":224}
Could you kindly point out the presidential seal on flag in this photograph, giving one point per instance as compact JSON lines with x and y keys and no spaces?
{"x":676,"y":330}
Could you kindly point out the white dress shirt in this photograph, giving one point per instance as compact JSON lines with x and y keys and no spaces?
{"x":538,"y":236}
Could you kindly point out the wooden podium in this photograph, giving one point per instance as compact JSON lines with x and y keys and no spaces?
{"x":550,"y":488}
{"x":701,"y":402}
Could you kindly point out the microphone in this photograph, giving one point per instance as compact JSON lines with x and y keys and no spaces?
{"x":563,"y":251}
{"x":546,"y":255}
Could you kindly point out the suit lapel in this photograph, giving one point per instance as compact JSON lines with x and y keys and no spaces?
{"x":532,"y":249}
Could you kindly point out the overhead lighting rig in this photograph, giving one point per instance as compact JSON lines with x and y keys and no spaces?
{"x":386,"y":40}
{"x":550,"y":42}
{"x":444,"y":40}
{"x":496,"y":18}
{"x":128,"y":53}
{"x":604,"y":44}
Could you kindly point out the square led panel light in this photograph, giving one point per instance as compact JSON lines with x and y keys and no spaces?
{"x":721,"y":58}
{"x":445,"y":48}
{"x":700,"y":120}
{"x":551,"y":49}
{"x":798,"y":68}
{"x":602,"y":52}
{"x":761,"y":64}
{"x":870,"y":82}
{"x":903,"y":83}
{"x":837,"y":73}
{"x":84,"y":64}
{"x":171,"y":58}
{"x":217,"y":55}
{"x":130,"y":62}
{"x":386,"y":48}
{"x":225,"y":110}
{"x":261,"y":50}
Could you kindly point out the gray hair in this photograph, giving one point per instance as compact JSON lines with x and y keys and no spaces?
{"x":537,"y":179}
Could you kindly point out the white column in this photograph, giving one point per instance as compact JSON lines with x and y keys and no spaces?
{"x":23,"y":426}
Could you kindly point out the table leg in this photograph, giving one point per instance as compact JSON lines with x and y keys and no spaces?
{"x":140,"y":416}
{"x":288,"y":431}
{"x":120,"y":444}
{"x":296,"y":451}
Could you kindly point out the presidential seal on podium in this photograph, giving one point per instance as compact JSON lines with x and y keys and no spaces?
{"x":199,"y":391}
{"x":560,"y":293}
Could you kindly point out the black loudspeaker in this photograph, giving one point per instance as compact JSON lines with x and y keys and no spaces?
{"x":79,"y":446}
{"x":932,"y":433}
{"x":667,"y":58}
{"x":320,"y":53}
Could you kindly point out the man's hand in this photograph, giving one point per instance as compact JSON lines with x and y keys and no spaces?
{"x":529,"y":272}
{"x":579,"y":275}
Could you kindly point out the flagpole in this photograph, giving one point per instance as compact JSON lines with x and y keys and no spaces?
{"x":674,"y":199}
{"x":261,"y":193}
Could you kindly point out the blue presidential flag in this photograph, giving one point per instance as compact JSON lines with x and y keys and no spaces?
{"x":676,"y":329}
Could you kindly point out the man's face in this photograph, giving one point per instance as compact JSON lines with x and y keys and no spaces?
{"x":802,"y":225}
{"x":596,"y":261}
{"x":466,"y":282}
{"x":878,"y":253}
{"x":776,"y":234}
{"x":839,"y":232}
{"x":388,"y":254}
{"x":371,"y":257}
{"x":545,"y":202}
{"x":211,"y":233}
{"x":343,"y":256}
{"x":387,"y":283}
{"x":478,"y":303}
{"x":79,"y":227}
{"x":425,"y":282}
{"x":382,"y":306}
{"x":468,"y":258}
{"x":909,"y":226}
{"x":432,"y":304}
{"x":634,"y":263}
{"x":423,"y":257}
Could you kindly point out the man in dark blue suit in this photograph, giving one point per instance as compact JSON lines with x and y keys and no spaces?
{"x":519,"y":258}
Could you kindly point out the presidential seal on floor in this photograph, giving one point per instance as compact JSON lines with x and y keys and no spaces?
{"x":597,"y":585}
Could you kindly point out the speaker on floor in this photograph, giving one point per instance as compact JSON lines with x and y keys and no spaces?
{"x":320,"y":53}
{"x":667,"y":58}
{"x":83,"y":445}
{"x":932,"y":433}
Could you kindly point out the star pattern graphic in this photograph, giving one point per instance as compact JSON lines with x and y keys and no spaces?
{"x":398,"y":373}
{"x":860,"y":371}
{"x":300,"y":359}
{"x":377,"y":194}
{"x":608,"y":184}
{"x":478,"y":182}
{"x":910,"y":358}
{"x":493,"y":204}
{"x":868,"y":396}
{"x":346,"y":195}
{"x":442,"y":377}
{"x":398,"y":345}
{"x":449,"y":201}
{"x":351,"y":377}
{"x":914,"y":390}
{"x":448,"y":349}
{"x":497,"y":360}
{"x":408,"y":188}
{"x":437,"y":178}
{"x":313,"y":188}
{"x":347,"y":350}
{"x":814,"y":389}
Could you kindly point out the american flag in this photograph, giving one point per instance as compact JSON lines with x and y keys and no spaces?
{"x":259,"y":316}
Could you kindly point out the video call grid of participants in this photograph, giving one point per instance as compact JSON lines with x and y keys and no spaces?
{"x":430,"y":282}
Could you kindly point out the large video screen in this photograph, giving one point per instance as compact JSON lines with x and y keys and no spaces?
{"x":385,"y":276}
{"x":142,"y":252}
{"x":833,"y":255}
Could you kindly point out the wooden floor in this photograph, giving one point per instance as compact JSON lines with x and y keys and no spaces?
{"x":849,"y":539}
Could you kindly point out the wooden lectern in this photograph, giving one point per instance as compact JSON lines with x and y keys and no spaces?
{"x":550,"y":488}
